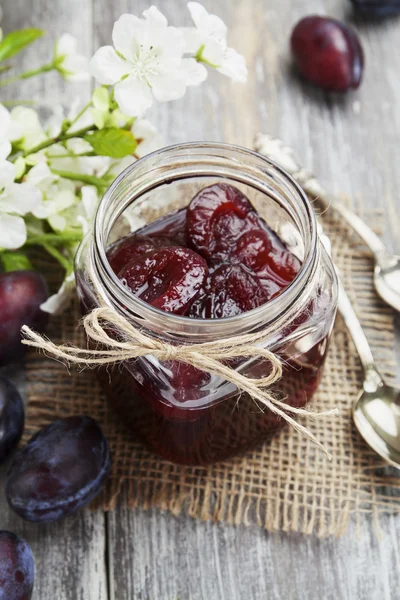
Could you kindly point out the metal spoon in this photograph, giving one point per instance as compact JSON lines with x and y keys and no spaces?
{"x":376,"y":410}
{"x":387,"y":265}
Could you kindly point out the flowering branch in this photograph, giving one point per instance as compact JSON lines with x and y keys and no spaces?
{"x":52,"y":174}
{"x":88,"y":179}
{"x":27,"y":74}
{"x":53,"y":239}
{"x":62,"y":137}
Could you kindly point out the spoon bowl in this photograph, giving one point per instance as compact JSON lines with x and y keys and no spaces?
{"x":376,"y":410}
{"x":376,"y":415}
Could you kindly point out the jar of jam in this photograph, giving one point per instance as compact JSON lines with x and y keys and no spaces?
{"x":231,"y":244}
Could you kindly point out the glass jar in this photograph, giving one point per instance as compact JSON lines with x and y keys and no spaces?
{"x":183,"y":414}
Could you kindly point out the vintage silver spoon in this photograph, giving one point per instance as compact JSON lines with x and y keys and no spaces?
{"x":387,"y":265}
{"x":376,"y":410}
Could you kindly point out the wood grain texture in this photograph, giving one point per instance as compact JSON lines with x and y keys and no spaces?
{"x":158,"y":556}
{"x":351,"y":143}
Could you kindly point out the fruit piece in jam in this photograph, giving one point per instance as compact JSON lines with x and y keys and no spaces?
{"x":216,"y":219}
{"x":168,"y":231}
{"x":168,"y":278}
{"x":248,"y":263}
{"x":264,"y":253}
{"x":231,"y":289}
{"x":134,"y":247}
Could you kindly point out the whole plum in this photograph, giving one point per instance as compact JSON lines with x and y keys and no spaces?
{"x":328,"y":53}
{"x":62,"y":468}
{"x":16,"y":568}
{"x":12,"y":417}
{"x":21,"y":294}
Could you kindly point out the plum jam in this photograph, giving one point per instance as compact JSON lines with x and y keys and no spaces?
{"x":226,"y":252}
{"x":216,"y":258}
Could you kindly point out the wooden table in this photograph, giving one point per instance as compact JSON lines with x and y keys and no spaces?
{"x":352,"y":143}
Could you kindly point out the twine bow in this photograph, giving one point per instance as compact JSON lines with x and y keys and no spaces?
{"x":209,"y":356}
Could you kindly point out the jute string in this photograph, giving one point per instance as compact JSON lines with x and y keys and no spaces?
{"x":212,"y":357}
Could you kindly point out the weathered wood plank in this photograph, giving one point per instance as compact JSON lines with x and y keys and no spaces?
{"x":158,"y":556}
{"x":69,"y":555}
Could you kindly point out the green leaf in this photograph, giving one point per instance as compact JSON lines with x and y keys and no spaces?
{"x":113,"y":142}
{"x":15,"y":261}
{"x":15,"y":41}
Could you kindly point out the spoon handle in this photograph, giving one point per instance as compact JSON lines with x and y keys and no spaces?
{"x":359,"y":338}
{"x":313,"y":187}
{"x":285,"y":156}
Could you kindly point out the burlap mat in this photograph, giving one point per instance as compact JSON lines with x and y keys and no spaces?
{"x":286,"y":484}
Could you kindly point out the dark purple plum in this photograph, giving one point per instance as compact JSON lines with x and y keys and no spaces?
{"x":327,"y":53}
{"x":17,"y":568}
{"x":12,"y":417}
{"x":60,"y":470}
{"x":377,"y":8}
{"x":21,"y":294}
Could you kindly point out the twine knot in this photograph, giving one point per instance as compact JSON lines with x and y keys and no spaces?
{"x":117,"y":340}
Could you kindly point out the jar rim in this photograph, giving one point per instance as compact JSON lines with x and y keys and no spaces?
{"x":138,"y":309}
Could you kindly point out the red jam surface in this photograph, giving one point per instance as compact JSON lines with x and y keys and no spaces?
{"x":217,"y":258}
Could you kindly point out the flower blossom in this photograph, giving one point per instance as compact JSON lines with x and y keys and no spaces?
{"x":60,"y":301}
{"x":10,"y":131}
{"x":71,"y":65}
{"x":55,"y":122}
{"x":58,"y":193}
{"x":146,"y":62}
{"x":27,"y":122}
{"x":70,"y":157}
{"x":208,"y":42}
{"x":147,"y":136}
{"x":80,"y":214}
{"x":16,"y":200}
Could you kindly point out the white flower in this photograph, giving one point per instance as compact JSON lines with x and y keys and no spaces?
{"x":55,"y":122}
{"x":61,"y":158}
{"x":101,"y":105}
{"x":208,"y":42}
{"x":71,"y":65}
{"x":58,"y":193}
{"x":10,"y":131}
{"x":147,"y":136}
{"x":101,"y":113}
{"x":146,"y":61}
{"x":16,"y":200}
{"x":78,"y":215}
{"x":89,"y":204}
{"x":59,"y":301}
{"x":26,"y":120}
{"x":117,"y":166}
